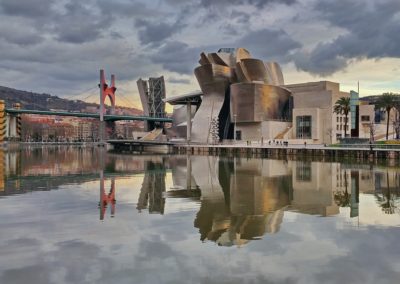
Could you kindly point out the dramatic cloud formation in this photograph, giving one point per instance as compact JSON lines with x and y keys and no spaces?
{"x":63,"y":43}
{"x":27,"y":8}
{"x":269,"y":44}
{"x":153,"y":33}
{"x":371,"y":32}
{"x":257,"y":3}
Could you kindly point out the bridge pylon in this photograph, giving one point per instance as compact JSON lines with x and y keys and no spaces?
{"x":3,"y":121}
{"x":14,"y":124}
{"x":106,"y":92}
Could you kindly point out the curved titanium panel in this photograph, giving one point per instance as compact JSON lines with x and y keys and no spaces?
{"x":219,"y":58}
{"x":213,"y":99}
{"x":209,"y":73}
{"x":204,"y":59}
{"x":214,"y":81}
{"x":274,"y":71}
{"x":142,"y":87}
{"x":254,"y":69}
{"x":255,"y":102}
{"x":241,"y":73}
{"x":242,"y":53}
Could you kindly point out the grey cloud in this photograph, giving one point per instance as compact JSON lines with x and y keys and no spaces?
{"x":177,"y":57}
{"x":20,"y":36}
{"x":155,"y":32}
{"x":79,"y":24}
{"x":225,"y":3}
{"x":116,"y":35}
{"x":28,"y":274}
{"x":240,"y":17}
{"x":27,"y":8}
{"x":174,"y":80}
{"x":269,"y":44}
{"x":318,"y":63}
{"x":74,"y":22}
{"x":257,"y":3}
{"x":57,"y":66}
{"x":371,"y":32}
{"x":123,"y":8}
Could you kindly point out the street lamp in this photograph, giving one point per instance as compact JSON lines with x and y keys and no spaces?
{"x":234,"y":128}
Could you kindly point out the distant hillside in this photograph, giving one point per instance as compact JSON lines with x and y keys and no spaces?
{"x":37,"y":101}
{"x":370,"y":99}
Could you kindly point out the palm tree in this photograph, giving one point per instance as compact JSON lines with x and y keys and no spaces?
{"x":387,"y":101}
{"x":342,"y":106}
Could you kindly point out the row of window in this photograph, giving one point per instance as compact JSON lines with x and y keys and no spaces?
{"x":341,"y":119}
{"x":363,"y":118}
{"x":340,"y":127}
{"x":304,"y":125}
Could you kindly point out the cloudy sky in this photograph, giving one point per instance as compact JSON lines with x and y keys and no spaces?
{"x":57,"y":47}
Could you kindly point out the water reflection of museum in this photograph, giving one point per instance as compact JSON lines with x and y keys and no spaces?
{"x":240,"y":199}
{"x":243,"y":199}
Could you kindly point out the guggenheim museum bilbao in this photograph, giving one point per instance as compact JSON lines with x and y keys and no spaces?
{"x":245,"y":98}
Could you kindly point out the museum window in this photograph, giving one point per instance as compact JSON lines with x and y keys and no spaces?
{"x":238,"y":135}
{"x":303,"y":171}
{"x":303,"y":126}
{"x":365,"y":118}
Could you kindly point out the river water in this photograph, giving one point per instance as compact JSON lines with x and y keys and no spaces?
{"x":80,"y":215}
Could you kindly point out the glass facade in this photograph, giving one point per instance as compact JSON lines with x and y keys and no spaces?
{"x":303,"y":127}
{"x":354,"y":102}
{"x":303,"y":171}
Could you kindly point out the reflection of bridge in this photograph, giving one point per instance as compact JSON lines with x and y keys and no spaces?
{"x":240,"y":199}
{"x":106,"y":199}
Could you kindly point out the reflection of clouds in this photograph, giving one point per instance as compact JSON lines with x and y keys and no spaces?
{"x":68,"y":262}
{"x":29,"y":274}
{"x":55,"y":237}
{"x":372,"y":258}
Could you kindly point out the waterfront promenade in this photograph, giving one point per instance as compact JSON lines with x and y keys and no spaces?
{"x":363,"y":151}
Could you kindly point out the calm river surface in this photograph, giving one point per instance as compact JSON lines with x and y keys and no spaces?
{"x":73,"y":215}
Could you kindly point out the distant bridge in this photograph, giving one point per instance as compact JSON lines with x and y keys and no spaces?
{"x":10,"y":125}
{"x":107,"y":117}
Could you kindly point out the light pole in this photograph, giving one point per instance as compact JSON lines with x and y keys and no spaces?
{"x":234,"y":128}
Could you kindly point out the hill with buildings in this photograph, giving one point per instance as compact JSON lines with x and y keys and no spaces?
{"x":370,"y":99}
{"x":31,"y":100}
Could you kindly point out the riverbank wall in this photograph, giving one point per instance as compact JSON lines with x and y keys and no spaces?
{"x":361,"y":152}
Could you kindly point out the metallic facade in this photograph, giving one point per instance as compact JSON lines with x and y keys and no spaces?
{"x":152,"y":95}
{"x":256,"y":102}
{"x":236,"y":88}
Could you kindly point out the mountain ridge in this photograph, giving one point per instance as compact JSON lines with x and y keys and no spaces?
{"x":37,"y":101}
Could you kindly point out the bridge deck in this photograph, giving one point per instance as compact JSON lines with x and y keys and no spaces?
{"x":107,"y":117}
{"x":137,"y":142}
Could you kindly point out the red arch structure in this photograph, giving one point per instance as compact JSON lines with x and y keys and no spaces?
{"x":107,"y":199}
{"x":106,"y":91}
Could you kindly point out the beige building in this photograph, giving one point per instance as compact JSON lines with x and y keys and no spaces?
{"x":313,"y":118}
{"x":370,"y":125}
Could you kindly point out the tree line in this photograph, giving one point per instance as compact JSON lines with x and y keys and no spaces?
{"x":386,"y":101}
